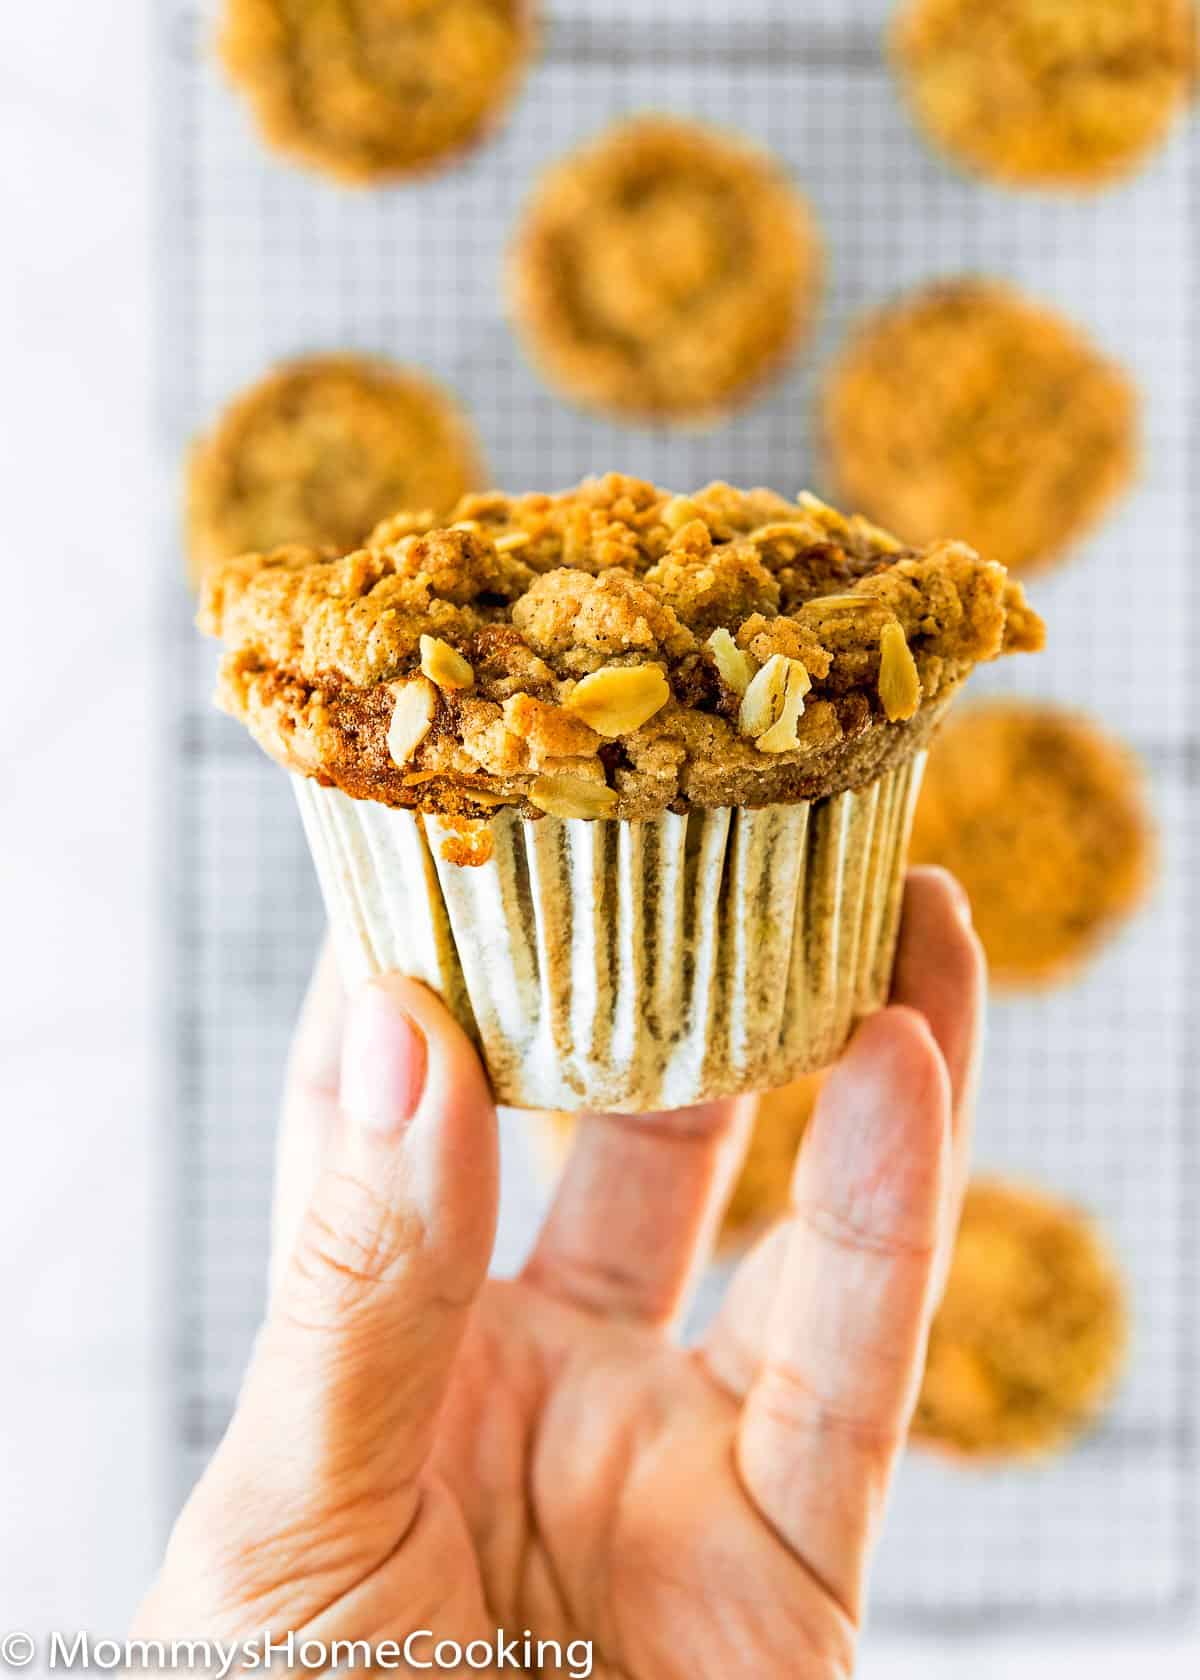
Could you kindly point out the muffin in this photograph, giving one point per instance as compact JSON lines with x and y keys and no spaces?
{"x":967,"y":407}
{"x":762,"y":1191}
{"x":374,"y":93}
{"x":663,"y":271}
{"x":319,"y":452}
{"x":626,"y":776}
{"x":1029,"y":1339}
{"x":1046,"y":93}
{"x":1044,"y":820}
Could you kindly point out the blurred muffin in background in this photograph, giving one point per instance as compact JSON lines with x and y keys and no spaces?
{"x":762,"y":1190}
{"x":372,"y":93}
{"x":966,"y":407}
{"x":1044,"y":820}
{"x":1030,"y":1337}
{"x":1046,"y":93}
{"x":663,"y":271}
{"x":319,"y":452}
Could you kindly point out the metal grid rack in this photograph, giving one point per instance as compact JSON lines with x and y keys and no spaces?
{"x":1091,"y":1090}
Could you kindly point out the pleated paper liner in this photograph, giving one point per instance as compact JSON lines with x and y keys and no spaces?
{"x":631,"y":966}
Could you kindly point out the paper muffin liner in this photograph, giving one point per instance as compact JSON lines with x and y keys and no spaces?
{"x":631,"y":966}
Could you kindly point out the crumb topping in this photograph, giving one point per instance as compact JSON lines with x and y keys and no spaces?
{"x":965,"y":406}
{"x":608,"y":650}
{"x":663,"y":268}
{"x":372,"y":92}
{"x":1049,"y":92}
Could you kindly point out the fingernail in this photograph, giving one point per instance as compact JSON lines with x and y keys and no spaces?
{"x":383,"y":1063}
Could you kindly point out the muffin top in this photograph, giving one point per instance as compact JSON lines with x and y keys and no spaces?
{"x":1043,"y":818}
{"x":613,"y":651}
{"x":967,"y":407}
{"x":370,"y":93}
{"x":1056,"y":93}
{"x":1030,"y":1334}
{"x":319,"y":452}
{"x":663,"y":269}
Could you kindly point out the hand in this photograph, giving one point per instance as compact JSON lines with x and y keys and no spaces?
{"x":417,"y":1447}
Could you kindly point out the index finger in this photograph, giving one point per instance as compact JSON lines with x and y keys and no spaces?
{"x":844,"y":1341}
{"x":635,"y":1212}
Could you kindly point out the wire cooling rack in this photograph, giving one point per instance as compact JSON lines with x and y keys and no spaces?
{"x":1091,"y":1090}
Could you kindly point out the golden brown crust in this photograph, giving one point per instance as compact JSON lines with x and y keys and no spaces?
{"x":1043,"y":819}
{"x":372,"y":93}
{"x":320,"y":451}
{"x":664,"y":270}
{"x":966,"y":407}
{"x":1068,"y":94}
{"x":1030,"y":1335}
{"x":555,"y":651}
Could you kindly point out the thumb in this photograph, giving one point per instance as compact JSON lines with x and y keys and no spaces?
{"x":340,"y":1405}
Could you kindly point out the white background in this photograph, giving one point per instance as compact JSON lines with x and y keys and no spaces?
{"x":83,"y":1447}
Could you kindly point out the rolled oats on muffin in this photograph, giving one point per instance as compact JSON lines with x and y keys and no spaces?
{"x":965,"y":406}
{"x":1029,"y":1339}
{"x":1044,"y":819}
{"x":626,"y":775}
{"x":1046,"y":93}
{"x":372,"y":93}
{"x":320,"y":451}
{"x":663,"y":271}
